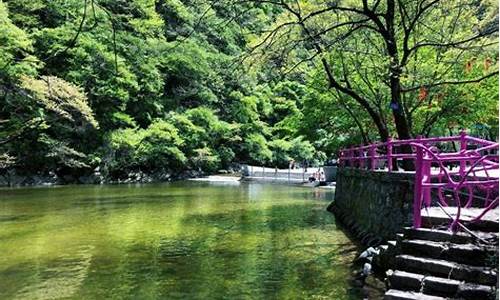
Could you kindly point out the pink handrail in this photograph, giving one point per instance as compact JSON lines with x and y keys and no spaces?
{"x":426,"y":157}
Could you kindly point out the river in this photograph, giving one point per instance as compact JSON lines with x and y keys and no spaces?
{"x":182,"y":240}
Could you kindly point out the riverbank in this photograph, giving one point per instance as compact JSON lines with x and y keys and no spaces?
{"x":12,"y":178}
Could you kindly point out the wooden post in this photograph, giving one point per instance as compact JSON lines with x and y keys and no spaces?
{"x":425,"y":169}
{"x":417,"y":192}
{"x":389,"y":154}
{"x":373,"y":159}
{"x":361,"y":154}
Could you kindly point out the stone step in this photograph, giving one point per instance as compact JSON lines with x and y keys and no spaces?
{"x":435,"y":217}
{"x":444,"y":221}
{"x":440,"y":286}
{"x":393,"y":294}
{"x":447,"y":269}
{"x":475,"y":291}
{"x":447,"y":235}
{"x":437,"y":286}
{"x":462,"y":253}
{"x":404,"y":281}
{"x":455,"y":288}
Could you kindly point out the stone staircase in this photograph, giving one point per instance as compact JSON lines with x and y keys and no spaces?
{"x":433,"y":263}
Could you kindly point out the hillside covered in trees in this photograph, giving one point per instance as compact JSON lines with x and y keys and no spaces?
{"x":171,"y":86}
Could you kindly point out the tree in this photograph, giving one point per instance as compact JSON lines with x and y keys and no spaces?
{"x":198,"y":85}
{"x":42,"y":117}
{"x":379,"y":53}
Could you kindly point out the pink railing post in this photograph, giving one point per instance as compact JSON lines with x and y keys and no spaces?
{"x":389,"y":154}
{"x":373,"y":160}
{"x":463,"y":147}
{"x":417,"y":191}
{"x":425,"y":169}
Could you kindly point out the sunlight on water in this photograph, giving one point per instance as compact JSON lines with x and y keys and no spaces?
{"x":186,"y":240}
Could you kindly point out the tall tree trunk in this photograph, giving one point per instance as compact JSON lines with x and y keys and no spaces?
{"x":400,"y":120}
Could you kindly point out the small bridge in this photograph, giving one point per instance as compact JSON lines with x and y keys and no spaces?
{"x":295,"y":175}
{"x":457,"y":177}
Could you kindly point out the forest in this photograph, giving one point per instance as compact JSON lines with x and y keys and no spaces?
{"x":127,"y":87}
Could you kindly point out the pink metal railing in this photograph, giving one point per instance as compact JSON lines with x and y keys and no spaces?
{"x":477,"y":170}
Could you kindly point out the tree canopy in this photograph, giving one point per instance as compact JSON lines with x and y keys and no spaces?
{"x":144,"y":85}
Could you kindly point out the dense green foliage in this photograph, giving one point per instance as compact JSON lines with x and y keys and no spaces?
{"x":145,"y":85}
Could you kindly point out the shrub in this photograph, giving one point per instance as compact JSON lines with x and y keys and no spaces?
{"x":150,"y":149}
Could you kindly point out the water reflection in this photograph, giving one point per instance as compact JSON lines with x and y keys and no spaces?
{"x":190,"y":240}
{"x":60,"y":280}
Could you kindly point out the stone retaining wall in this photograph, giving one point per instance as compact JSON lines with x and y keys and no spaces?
{"x":375,"y":205}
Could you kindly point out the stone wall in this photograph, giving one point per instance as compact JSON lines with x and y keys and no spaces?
{"x":375,"y":205}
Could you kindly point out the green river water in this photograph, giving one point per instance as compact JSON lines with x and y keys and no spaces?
{"x":183,"y":240}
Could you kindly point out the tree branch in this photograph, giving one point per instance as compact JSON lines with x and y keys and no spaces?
{"x":452,"y":44}
{"x":450,"y":83}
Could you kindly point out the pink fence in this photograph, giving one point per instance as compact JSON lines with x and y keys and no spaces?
{"x":455,"y":171}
